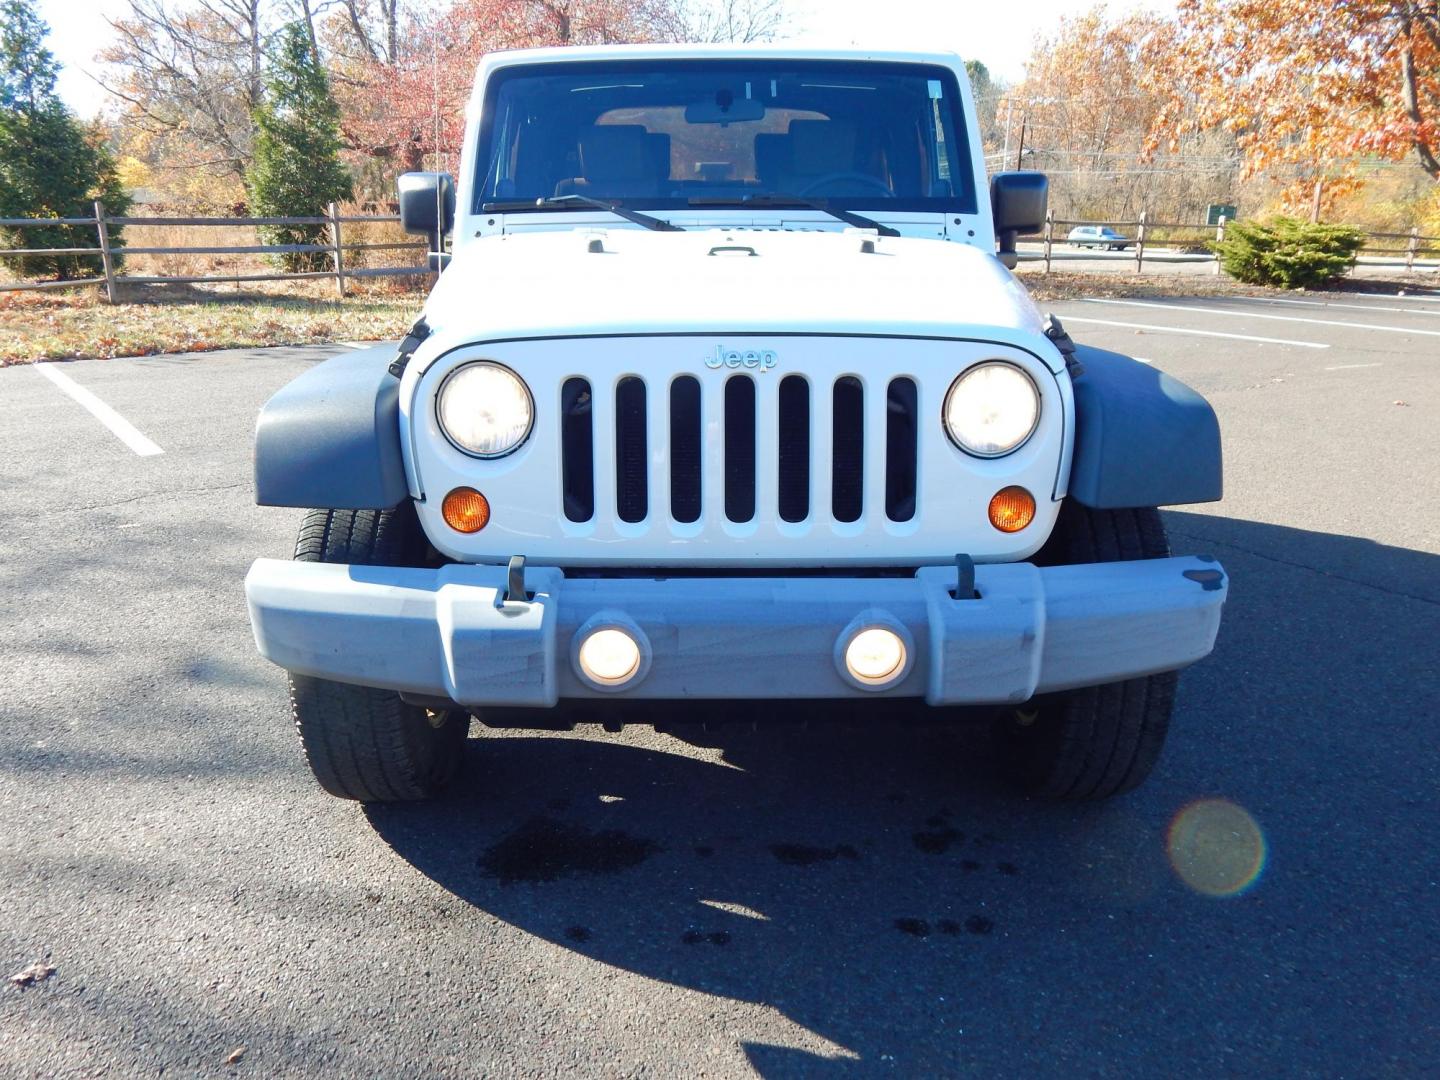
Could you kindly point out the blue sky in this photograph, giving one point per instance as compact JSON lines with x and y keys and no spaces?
{"x":1000,"y":34}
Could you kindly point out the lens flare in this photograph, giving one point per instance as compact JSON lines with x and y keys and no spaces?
{"x":1216,"y":847}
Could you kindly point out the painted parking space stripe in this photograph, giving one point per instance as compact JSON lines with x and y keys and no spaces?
{"x":1258,"y":315}
{"x":1198,"y":333}
{"x":1351,"y":367}
{"x":1351,"y":307}
{"x":121,"y":428}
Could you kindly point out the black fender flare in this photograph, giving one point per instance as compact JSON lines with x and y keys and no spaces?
{"x":330,"y":438}
{"x":1142,"y":437}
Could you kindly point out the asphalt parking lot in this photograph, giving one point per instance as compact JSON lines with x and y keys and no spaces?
{"x":849,"y":900}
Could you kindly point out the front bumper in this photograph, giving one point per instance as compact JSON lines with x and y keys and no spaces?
{"x":448,"y":633}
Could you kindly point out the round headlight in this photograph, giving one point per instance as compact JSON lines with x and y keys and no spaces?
{"x":992,"y":409}
{"x":485,"y":409}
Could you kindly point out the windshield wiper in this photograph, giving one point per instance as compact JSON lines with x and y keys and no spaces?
{"x":779,"y":200}
{"x":557,"y":201}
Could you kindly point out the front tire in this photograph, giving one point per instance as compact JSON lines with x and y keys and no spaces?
{"x":364,"y":743}
{"x":1097,"y":741}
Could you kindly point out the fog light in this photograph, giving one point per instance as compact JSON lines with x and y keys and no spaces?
{"x":466,"y":510}
{"x":610,"y":657}
{"x":1012,"y":509}
{"x":875,"y":656}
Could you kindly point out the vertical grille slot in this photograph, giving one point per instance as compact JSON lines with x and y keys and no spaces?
{"x":794,"y":464}
{"x":901,"y":434}
{"x":685,"y":427}
{"x":631,"y":479}
{"x":847,"y":456}
{"x":577,"y":450}
{"x":740,"y":448}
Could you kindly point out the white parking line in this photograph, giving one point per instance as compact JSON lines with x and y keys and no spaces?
{"x":122,"y":429}
{"x":1199,"y":333}
{"x":1257,"y":315}
{"x":1352,"y":307}
{"x":1350,"y":367}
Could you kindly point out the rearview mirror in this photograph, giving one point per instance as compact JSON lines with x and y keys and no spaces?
{"x":724,"y":108}
{"x":427,"y":208}
{"x":1018,"y":202}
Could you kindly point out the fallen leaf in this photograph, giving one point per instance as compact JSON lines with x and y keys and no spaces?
{"x":1406,"y":404}
{"x":235,"y":1056}
{"x":33,"y":974}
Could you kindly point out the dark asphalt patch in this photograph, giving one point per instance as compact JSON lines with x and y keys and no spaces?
{"x":938,"y":841}
{"x":920,"y":928}
{"x":804,"y":855}
{"x":544,"y":849}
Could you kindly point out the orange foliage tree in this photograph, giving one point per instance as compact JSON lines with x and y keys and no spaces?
{"x":409,"y":106}
{"x":1307,"y":87}
{"x":1086,"y":107}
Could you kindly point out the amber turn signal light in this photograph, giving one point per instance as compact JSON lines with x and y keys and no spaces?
{"x":466,"y":510}
{"x":1012,"y":509}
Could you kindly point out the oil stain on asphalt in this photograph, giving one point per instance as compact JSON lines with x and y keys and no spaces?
{"x":544,"y":849}
{"x":975,"y":924}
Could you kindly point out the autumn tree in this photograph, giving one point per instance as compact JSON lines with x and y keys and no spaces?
{"x":404,"y":102}
{"x":189,"y":73}
{"x":717,"y":21}
{"x":297,"y":170}
{"x":1084,"y":111}
{"x":50,"y":165}
{"x":1307,"y":88}
{"x":987,"y":97}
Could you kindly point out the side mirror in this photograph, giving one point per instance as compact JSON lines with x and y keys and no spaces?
{"x":427,"y":208}
{"x":1018,"y":201}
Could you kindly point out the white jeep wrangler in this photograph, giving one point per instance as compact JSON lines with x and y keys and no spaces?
{"x":725,"y":393}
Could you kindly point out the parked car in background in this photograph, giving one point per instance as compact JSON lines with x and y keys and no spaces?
{"x":1101,"y":236}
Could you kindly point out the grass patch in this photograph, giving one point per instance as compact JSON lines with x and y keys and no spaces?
{"x":171,"y":319}
{"x":177,"y":318}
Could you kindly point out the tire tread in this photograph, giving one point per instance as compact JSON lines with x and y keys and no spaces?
{"x":1096,"y":741}
{"x":364,"y":743}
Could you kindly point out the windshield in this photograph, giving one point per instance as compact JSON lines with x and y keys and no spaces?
{"x":666,"y":134}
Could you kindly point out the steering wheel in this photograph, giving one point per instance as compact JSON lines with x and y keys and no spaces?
{"x":872,"y":183}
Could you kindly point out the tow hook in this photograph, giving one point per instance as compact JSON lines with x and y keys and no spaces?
{"x":515,"y":583}
{"x":964,"y":579}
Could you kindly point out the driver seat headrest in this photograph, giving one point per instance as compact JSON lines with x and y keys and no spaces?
{"x":821,"y":147}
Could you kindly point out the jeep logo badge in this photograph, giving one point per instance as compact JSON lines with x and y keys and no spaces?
{"x":764,"y":359}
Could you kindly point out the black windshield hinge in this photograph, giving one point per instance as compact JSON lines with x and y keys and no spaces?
{"x":1055,"y":331}
{"x":418,"y":333}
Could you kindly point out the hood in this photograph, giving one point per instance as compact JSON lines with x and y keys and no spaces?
{"x":621,"y":281}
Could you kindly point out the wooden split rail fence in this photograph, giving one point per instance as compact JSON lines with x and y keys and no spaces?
{"x":1417,"y":249}
{"x":1140,"y":235}
{"x":109,"y":253}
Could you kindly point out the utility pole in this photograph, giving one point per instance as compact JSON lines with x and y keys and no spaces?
{"x":1005,"y":156}
{"x":1020,"y":153}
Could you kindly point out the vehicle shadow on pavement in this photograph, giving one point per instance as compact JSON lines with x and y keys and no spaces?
{"x":882,"y":889}
{"x":839,"y":881}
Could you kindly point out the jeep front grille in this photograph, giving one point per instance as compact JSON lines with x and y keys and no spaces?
{"x":799,"y":448}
